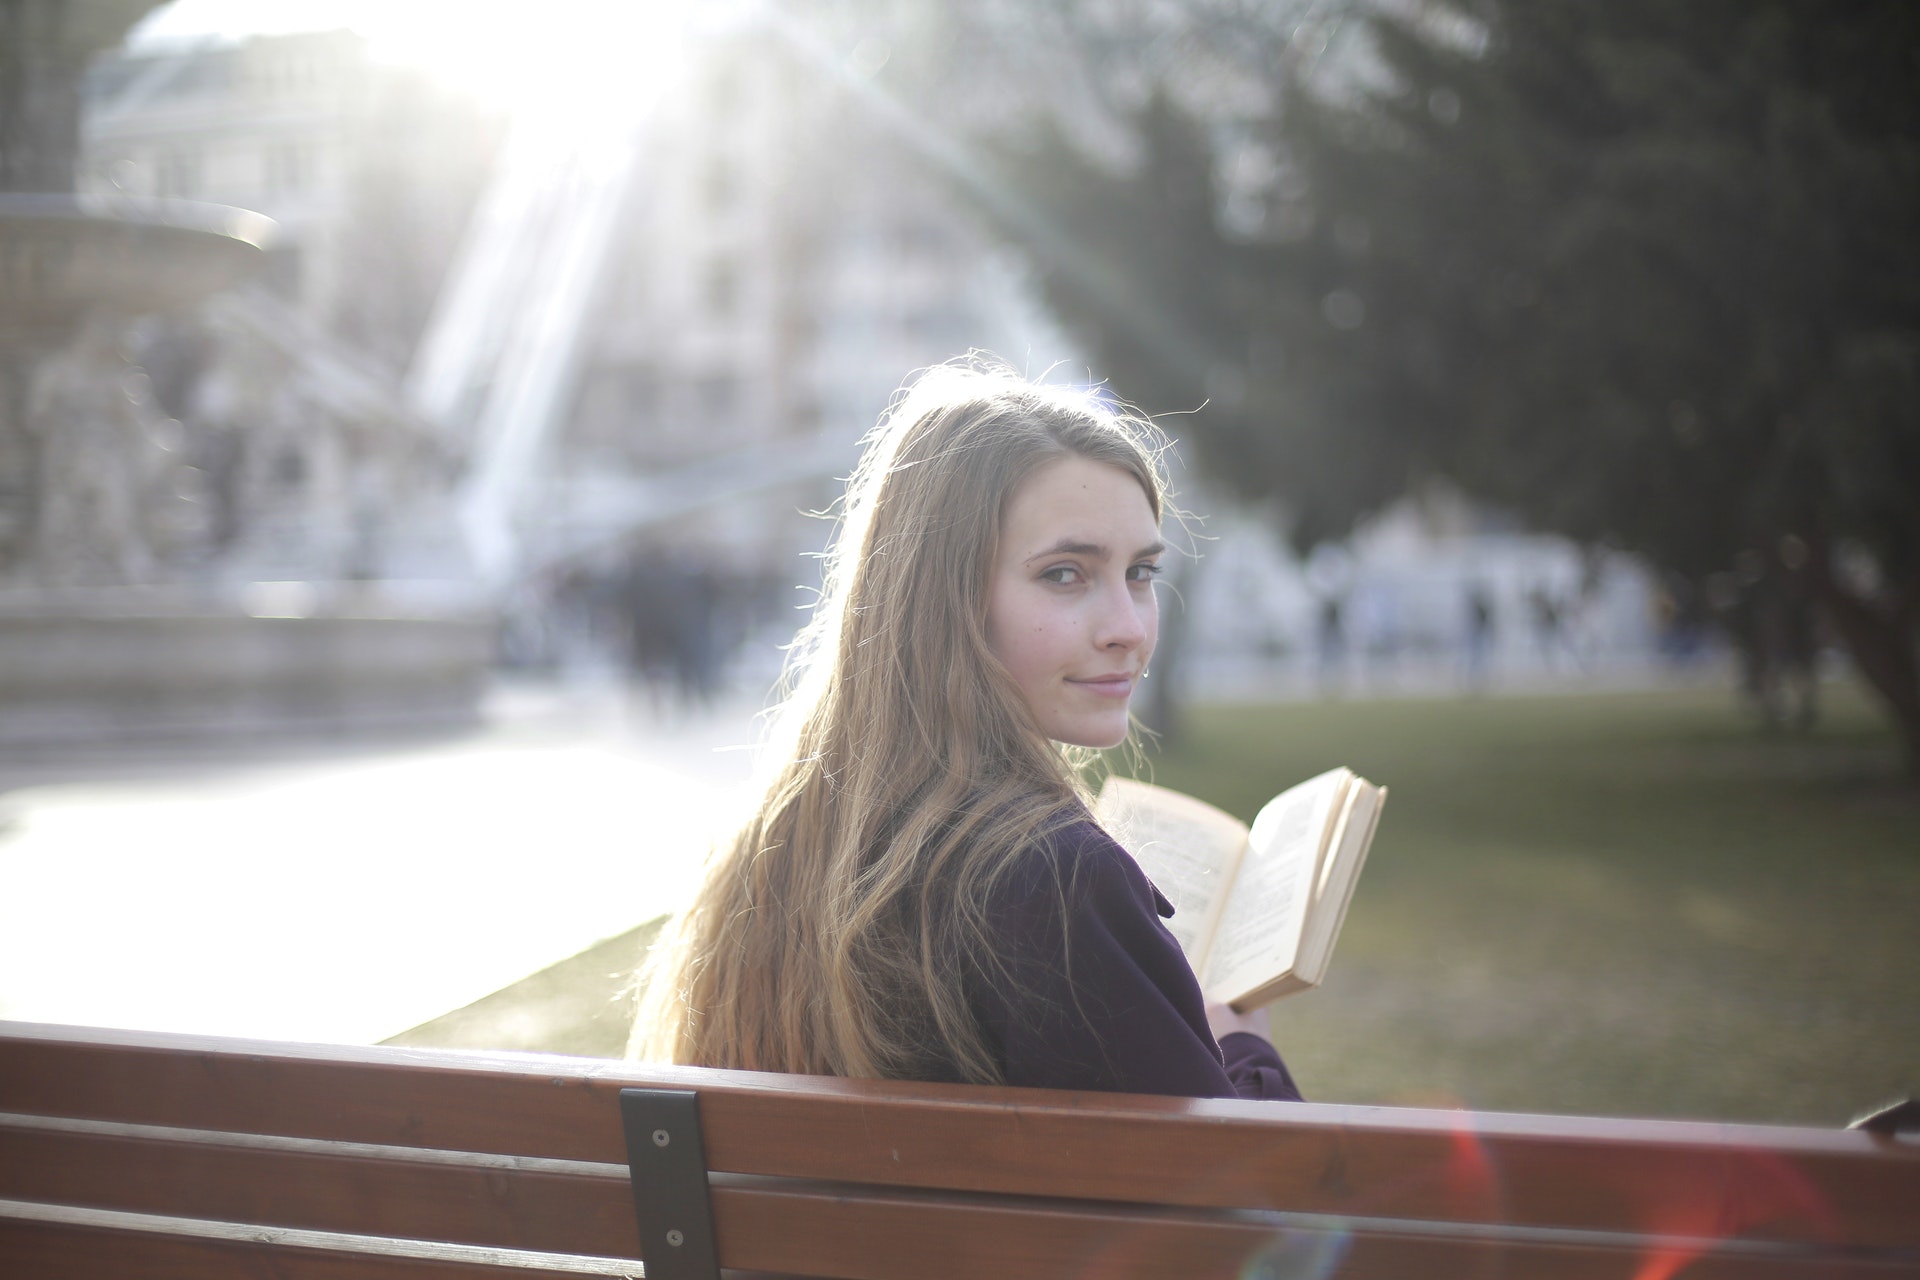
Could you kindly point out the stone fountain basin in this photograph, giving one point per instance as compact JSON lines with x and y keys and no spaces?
{"x":113,"y":664}
{"x":64,"y":257}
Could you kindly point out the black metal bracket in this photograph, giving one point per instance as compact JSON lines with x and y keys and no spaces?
{"x":667,"y":1162}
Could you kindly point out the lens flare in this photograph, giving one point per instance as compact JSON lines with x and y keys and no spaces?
{"x":1761,"y":1189}
{"x":1299,"y":1255}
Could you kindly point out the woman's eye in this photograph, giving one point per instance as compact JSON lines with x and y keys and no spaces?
{"x":1143,"y":572}
{"x":1061,"y":575}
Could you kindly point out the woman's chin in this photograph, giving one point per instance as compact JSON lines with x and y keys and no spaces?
{"x":1098,"y":736}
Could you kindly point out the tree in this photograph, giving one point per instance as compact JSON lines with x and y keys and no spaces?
{"x":1642,"y":274}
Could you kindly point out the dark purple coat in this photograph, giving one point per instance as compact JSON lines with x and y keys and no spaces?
{"x":1109,"y":1003}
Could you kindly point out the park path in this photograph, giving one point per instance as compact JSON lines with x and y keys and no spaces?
{"x":344,"y":893}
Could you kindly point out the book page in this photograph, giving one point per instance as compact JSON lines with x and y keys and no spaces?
{"x":1339,"y":872}
{"x":1259,"y":931}
{"x":1188,"y":848}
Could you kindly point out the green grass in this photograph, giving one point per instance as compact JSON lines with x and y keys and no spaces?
{"x":1611,"y":904}
{"x":582,"y":1006}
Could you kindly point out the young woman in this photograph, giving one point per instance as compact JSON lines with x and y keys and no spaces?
{"x":920,"y":892}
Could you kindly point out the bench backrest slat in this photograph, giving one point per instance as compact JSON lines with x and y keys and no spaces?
{"x":900,"y":1236}
{"x":367,"y":1190}
{"x":47,"y":1248}
{"x":767,"y":1223}
{"x":1741,"y":1181}
{"x":820,"y":1231}
{"x":1527,"y":1171}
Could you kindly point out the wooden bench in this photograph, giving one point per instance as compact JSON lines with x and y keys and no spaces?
{"x":141,"y":1154}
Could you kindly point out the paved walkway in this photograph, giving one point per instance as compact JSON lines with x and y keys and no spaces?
{"x":348,"y":893}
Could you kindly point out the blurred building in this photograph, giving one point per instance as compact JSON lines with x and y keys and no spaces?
{"x":368,"y":169}
{"x":789,"y":262}
{"x":783,"y":263}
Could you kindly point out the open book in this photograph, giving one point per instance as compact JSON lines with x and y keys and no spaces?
{"x":1257,"y":911}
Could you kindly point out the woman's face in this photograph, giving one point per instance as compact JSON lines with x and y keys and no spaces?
{"x":1070,"y":606}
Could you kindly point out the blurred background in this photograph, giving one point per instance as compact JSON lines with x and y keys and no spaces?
{"x":416,"y":420}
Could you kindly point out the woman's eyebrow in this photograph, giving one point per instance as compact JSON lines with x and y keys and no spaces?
{"x":1068,"y":547}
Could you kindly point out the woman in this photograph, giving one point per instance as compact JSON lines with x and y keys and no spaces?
{"x":920,"y":892}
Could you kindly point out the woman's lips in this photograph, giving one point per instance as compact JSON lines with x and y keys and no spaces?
{"x":1118,"y":686}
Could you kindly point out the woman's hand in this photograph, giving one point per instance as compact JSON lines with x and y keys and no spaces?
{"x":1222,"y":1019}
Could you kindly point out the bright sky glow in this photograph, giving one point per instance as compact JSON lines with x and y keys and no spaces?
{"x":509,"y":53}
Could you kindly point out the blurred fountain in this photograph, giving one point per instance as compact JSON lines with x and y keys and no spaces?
{"x":145,"y":587}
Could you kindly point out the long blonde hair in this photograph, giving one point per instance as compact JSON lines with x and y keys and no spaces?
{"x":831,"y":934}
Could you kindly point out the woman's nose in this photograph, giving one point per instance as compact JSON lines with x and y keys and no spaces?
{"x":1126,"y":619}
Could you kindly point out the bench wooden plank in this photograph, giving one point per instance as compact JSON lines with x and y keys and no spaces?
{"x":817,"y":1231}
{"x":1529,"y":1171}
{"x":895,"y":1236}
{"x":1707,"y":1179}
{"x":379,"y":1191}
{"x":88,"y":1246}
